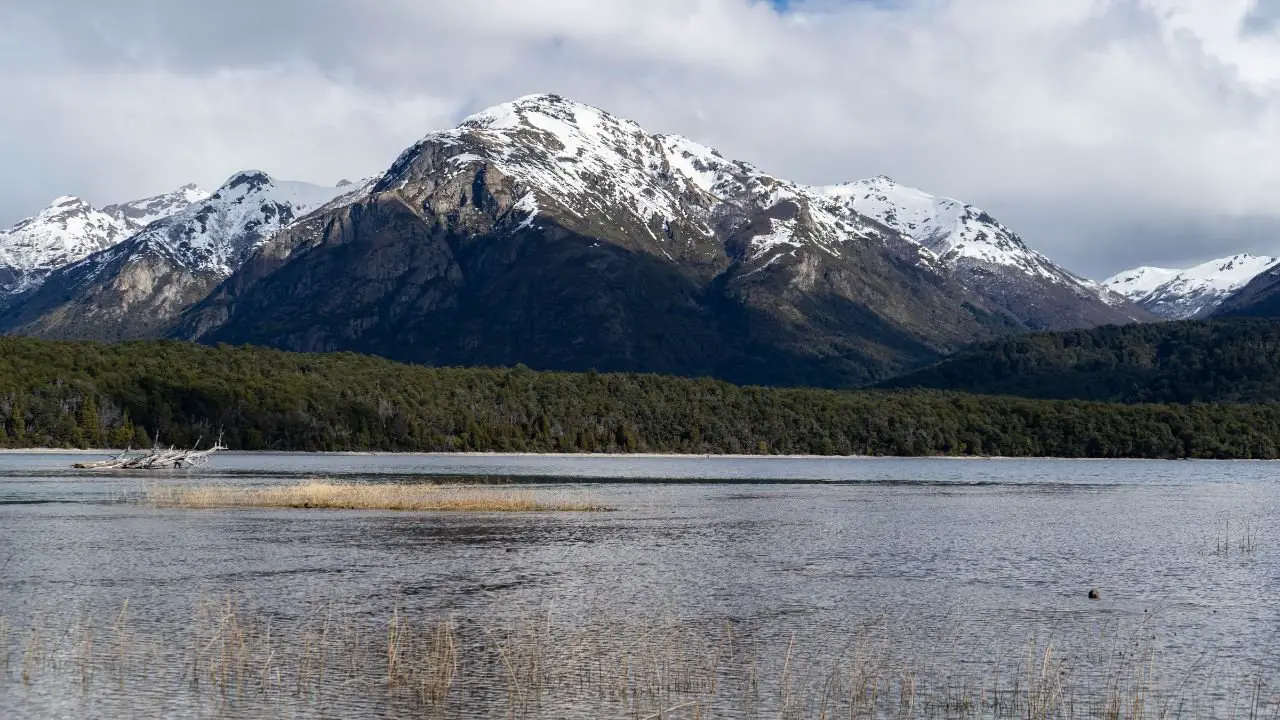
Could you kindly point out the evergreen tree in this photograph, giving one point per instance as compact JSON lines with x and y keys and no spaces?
{"x":90,"y":426}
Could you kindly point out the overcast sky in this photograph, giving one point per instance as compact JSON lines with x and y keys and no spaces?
{"x":1108,"y":133}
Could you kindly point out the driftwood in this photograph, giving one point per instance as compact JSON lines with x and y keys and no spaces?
{"x":157,"y":458}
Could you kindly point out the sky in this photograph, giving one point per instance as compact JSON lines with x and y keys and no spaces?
{"x":1107,"y":133}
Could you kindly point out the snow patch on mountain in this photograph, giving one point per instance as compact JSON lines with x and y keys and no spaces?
{"x":1193,"y":292}
{"x":138,"y":214}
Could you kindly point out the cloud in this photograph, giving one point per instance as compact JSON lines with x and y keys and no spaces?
{"x":1107,"y":132}
{"x":1262,"y":17}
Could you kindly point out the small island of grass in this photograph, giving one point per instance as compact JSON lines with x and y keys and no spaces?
{"x":368,"y":496}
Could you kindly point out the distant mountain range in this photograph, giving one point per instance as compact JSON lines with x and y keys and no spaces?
{"x":1191,"y":293}
{"x":138,"y":287}
{"x":70,"y":229}
{"x":551,"y":233}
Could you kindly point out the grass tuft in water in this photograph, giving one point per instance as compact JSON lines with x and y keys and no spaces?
{"x":369,"y":496}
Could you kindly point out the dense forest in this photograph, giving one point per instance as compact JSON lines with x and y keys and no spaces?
{"x":1233,"y":361}
{"x":61,"y":394}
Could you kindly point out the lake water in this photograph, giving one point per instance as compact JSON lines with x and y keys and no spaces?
{"x":715,"y":587}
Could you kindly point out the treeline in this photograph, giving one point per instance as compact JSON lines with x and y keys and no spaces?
{"x":1174,"y":362}
{"x":57,"y":394}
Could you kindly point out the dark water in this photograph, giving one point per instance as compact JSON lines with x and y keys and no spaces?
{"x":787,"y":571}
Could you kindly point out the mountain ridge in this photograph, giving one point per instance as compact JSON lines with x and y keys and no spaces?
{"x":753,"y":265}
{"x":555,"y":234}
{"x":135,"y":288}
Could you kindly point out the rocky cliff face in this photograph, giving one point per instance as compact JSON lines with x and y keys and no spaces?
{"x":137,"y":288}
{"x":1260,"y":297}
{"x":557,"y":235}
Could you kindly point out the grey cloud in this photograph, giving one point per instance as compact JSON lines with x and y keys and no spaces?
{"x":1262,"y":17}
{"x":1100,"y":131}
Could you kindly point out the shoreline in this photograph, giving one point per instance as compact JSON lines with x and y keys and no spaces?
{"x":615,"y":456}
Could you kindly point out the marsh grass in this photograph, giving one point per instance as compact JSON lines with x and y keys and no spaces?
{"x":317,"y":494}
{"x":1236,"y":534}
{"x":424,"y":665}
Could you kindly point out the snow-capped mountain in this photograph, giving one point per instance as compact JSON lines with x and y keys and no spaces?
{"x":70,"y":229}
{"x":969,"y":242}
{"x":66,"y":231}
{"x":595,"y":166}
{"x":215,"y":234}
{"x":138,"y":286}
{"x":555,"y":234}
{"x":592,"y":163}
{"x":950,"y":230}
{"x":1193,"y":292}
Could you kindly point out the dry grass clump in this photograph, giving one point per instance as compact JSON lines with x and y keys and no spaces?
{"x":366,"y":496}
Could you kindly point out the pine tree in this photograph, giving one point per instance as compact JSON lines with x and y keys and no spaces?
{"x":19,"y":423}
{"x":89,"y":423}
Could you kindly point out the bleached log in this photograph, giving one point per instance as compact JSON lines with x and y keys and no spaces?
{"x":157,"y":458}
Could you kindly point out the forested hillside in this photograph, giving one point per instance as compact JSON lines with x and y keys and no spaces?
{"x":59,"y":394}
{"x":1182,"y":362}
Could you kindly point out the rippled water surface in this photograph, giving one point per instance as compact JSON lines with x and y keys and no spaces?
{"x":713,"y":588}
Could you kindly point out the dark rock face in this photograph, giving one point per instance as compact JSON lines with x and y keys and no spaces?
{"x":110,"y":296}
{"x":1260,"y":298}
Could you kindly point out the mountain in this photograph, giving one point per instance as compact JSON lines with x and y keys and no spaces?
{"x":137,"y":287}
{"x":554,"y":234}
{"x":1235,"y":360}
{"x":986,"y":256}
{"x":1191,"y":293}
{"x":71,"y":229}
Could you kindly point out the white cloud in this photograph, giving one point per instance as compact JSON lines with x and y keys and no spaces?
{"x":1107,"y":132}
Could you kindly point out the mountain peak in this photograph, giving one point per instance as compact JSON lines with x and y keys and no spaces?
{"x":249,"y":180}
{"x":65,"y":231}
{"x":545,"y":112}
{"x":137,"y":214}
{"x":214,"y":234}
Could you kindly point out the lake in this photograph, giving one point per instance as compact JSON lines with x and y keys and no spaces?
{"x":713,"y":588}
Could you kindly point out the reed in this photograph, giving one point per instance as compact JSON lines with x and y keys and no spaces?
{"x":413,"y":663}
{"x":318,"y":494}
{"x":1246,"y":534}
